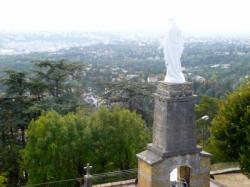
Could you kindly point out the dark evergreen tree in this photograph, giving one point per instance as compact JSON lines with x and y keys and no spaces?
{"x":59,"y":85}
{"x":135,"y":96}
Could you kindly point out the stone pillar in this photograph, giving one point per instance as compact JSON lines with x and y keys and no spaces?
{"x":174,"y":139}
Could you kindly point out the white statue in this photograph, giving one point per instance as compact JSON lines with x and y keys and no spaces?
{"x":173,"y":46}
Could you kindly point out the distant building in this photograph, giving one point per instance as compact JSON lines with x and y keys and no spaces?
{"x":215,"y":66}
{"x":90,"y":99}
{"x":199,"y":78}
{"x":152,"y":79}
{"x":225,"y":66}
{"x":131,"y":76}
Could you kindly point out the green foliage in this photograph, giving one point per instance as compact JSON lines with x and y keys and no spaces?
{"x":10,"y":158}
{"x":207,"y":106}
{"x":3,"y":180}
{"x":54,"y":86}
{"x":59,"y":146}
{"x":55,"y":147}
{"x":116,"y":137}
{"x":205,"y":111}
{"x":60,"y":81}
{"x":37,"y":88}
{"x":245,"y":148}
{"x":14,"y":117}
{"x":231,"y":128}
{"x":244,"y":159}
{"x":16,"y":83}
{"x":135,"y":96}
{"x":220,"y":81}
{"x":59,"y":76}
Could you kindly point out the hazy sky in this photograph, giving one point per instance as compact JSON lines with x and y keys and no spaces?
{"x":192,"y":15}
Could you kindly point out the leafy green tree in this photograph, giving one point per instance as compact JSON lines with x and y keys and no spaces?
{"x":231,"y":128}
{"x":58,"y":146}
{"x":116,"y":137}
{"x":55,"y":148}
{"x":207,"y":106}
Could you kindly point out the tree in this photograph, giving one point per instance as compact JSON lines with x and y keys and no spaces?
{"x":37,"y":88}
{"x":116,"y":137}
{"x":3,"y":181}
{"x":60,"y":82}
{"x":55,"y":86}
{"x":59,"y":76}
{"x":15,"y":103}
{"x":135,"y":96}
{"x":55,"y":148}
{"x":231,"y":128}
{"x":205,"y":111}
{"x":206,"y":106}
{"x":58,"y":146}
{"x":14,"y":117}
{"x":16,"y":83}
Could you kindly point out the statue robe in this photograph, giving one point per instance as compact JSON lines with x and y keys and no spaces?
{"x":173,"y":47}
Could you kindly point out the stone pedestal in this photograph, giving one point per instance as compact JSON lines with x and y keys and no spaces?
{"x":174,"y":140}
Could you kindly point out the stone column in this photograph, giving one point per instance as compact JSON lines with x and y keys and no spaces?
{"x":174,"y":119}
{"x":174,"y":138}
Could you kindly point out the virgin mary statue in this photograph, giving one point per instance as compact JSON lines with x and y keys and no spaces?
{"x":173,"y":46}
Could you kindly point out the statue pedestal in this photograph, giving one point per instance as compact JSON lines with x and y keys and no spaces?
{"x":174,"y":140}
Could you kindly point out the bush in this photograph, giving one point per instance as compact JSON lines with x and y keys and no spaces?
{"x":230,"y":140}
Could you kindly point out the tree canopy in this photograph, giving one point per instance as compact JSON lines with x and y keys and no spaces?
{"x":135,"y":96}
{"x":59,"y":85}
{"x":59,"y":146}
{"x":231,"y":128}
{"x":54,"y":85}
{"x":205,"y":111}
{"x":116,"y":136}
{"x":54,"y":148}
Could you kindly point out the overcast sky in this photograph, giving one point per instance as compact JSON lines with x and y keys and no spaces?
{"x":191,"y":15}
